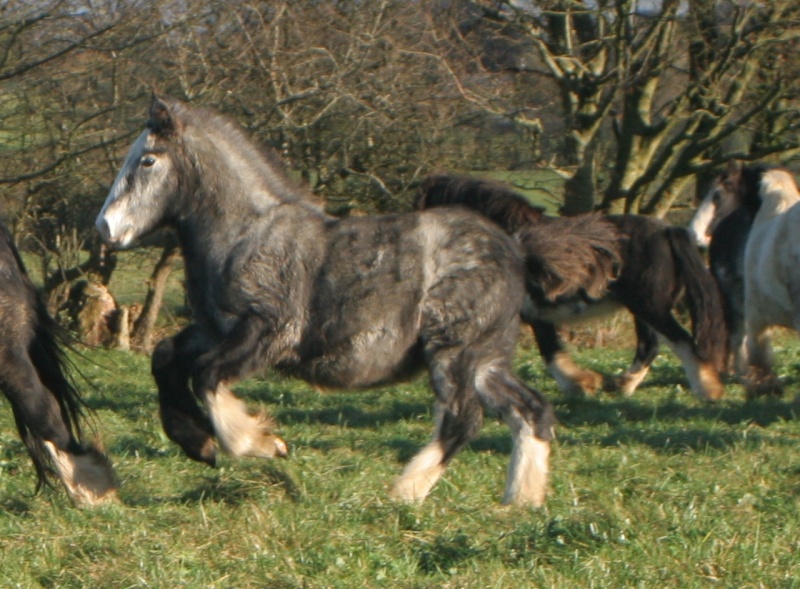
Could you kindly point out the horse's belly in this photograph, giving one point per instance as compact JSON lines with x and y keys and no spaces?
{"x":368,"y":359}
{"x":569,"y":311}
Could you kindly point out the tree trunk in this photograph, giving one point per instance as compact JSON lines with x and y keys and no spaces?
{"x":579,"y":190}
{"x":142,"y":335}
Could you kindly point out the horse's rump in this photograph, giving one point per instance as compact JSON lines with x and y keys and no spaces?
{"x":565,"y":257}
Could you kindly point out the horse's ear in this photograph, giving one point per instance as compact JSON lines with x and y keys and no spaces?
{"x":162,"y":119}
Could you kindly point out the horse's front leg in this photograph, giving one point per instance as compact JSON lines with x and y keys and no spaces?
{"x":571,"y":378}
{"x":184,"y":422}
{"x":239,"y":432}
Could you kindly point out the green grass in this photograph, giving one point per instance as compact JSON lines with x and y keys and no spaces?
{"x":653,"y":491}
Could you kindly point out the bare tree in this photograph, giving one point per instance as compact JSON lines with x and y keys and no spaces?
{"x":648,"y":94}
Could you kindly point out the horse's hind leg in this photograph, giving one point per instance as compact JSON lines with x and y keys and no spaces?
{"x":646,"y":352}
{"x":531,"y":420}
{"x":458,"y":416}
{"x":86,"y":473}
{"x":760,"y":378}
{"x":461,"y":392}
{"x":183,"y":420}
{"x":704,"y":379}
{"x":571,"y":378}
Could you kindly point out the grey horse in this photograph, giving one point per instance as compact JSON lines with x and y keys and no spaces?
{"x":349,"y":303}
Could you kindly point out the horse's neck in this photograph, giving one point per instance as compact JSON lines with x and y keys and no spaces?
{"x":778,"y":194}
{"x":209,"y":239}
{"x":776,"y":205}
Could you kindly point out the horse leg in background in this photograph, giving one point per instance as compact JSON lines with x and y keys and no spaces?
{"x":760,"y":378}
{"x":86,"y":473}
{"x":239,"y":432}
{"x":703,"y":378}
{"x":571,"y":378}
{"x":733,"y":296}
{"x":646,"y":352}
{"x":183,"y":420}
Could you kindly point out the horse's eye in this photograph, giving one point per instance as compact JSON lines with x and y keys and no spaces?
{"x":148,"y":161}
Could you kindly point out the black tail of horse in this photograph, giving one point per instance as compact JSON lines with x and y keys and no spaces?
{"x":46,"y":353}
{"x":564,"y":256}
{"x":55,"y":372}
{"x":703,"y":298}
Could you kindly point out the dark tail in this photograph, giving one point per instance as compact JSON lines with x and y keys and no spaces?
{"x":564,"y":256}
{"x":703,"y":297}
{"x":54,"y":369}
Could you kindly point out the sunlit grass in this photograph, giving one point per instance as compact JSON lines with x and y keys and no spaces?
{"x":657,"y":490}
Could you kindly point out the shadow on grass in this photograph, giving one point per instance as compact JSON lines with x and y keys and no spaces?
{"x":238,"y":491}
{"x":135,"y":446}
{"x":132,"y":406}
{"x":234,"y":491}
{"x":605,"y":411}
{"x":350,"y":415}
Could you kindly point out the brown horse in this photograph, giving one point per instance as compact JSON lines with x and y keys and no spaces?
{"x":644,"y":265}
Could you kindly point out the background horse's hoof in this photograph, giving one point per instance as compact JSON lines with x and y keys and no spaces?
{"x":770,"y":388}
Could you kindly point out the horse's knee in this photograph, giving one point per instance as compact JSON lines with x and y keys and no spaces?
{"x":163,"y":355}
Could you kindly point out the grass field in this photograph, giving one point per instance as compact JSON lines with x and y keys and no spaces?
{"x":653,"y":491}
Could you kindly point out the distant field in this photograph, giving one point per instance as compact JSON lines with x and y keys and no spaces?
{"x":654,"y":491}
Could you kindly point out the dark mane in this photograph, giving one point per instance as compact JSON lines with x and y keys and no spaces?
{"x":747,"y":184}
{"x":496,"y":201}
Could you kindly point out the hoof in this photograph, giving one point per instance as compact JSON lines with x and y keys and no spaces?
{"x":710,"y":388}
{"x":88,"y":477}
{"x":574,"y":380}
{"x":771,"y":388}
{"x":763,"y":383}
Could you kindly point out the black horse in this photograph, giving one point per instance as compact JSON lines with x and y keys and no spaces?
{"x":348,"y":303}
{"x":722,"y":225}
{"x":656,"y":266}
{"x":34,"y":376}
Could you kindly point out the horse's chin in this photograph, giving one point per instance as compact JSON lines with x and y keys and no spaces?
{"x":124,"y":241}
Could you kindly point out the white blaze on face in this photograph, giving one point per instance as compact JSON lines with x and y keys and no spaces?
{"x":127,"y":211}
{"x":700,"y":227}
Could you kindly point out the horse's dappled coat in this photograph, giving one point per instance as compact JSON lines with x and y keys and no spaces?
{"x":354,"y":302}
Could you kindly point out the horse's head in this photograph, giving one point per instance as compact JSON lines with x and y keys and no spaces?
{"x":145,"y":188}
{"x":724,"y":197}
